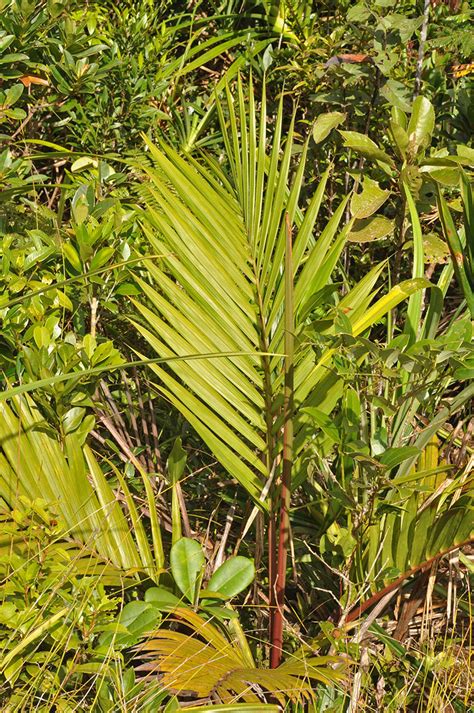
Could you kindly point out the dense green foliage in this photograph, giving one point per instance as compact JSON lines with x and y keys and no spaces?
{"x":237,"y":272}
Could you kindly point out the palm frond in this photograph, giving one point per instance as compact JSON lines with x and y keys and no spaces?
{"x":220,"y":287}
{"x":413,"y":527}
{"x":34,"y":464}
{"x":209,"y":665}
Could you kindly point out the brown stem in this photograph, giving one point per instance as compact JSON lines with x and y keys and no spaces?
{"x":272,"y":570}
{"x":285,"y":496}
{"x":358,"y":610}
{"x":268,"y":396}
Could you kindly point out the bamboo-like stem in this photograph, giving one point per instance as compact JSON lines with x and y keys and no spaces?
{"x":285,"y":496}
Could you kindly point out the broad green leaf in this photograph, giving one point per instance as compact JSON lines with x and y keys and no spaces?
{"x":232,"y":577}
{"x":139,"y":617}
{"x":369,"y":229}
{"x":42,"y":336}
{"x":444,"y":176}
{"x":14,"y":57}
{"x":360,"y":143}
{"x":359,"y":12}
{"x":72,"y":419}
{"x":325,"y":123}
{"x":84,"y":162}
{"x":187,"y":563}
{"x":369,"y":200}
{"x":13,"y":94}
{"x":72,"y":257}
{"x":421,"y":125}
{"x":162,"y":598}
{"x":399,"y":138}
{"x":6,"y":41}
{"x":101,"y":257}
{"x":435,"y":249}
{"x":396,"y":94}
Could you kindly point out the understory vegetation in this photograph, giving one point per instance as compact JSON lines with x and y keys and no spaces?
{"x":237,"y":304}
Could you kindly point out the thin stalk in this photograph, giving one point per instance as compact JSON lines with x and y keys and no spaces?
{"x":285,"y":496}
{"x":421,"y":47}
{"x":458,"y":255}
{"x":357,"y":610}
{"x":415,"y":303}
{"x":268,"y":458}
{"x":272,"y":569}
{"x":400,"y":234}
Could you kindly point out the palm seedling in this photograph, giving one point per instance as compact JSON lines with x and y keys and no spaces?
{"x":230,"y":304}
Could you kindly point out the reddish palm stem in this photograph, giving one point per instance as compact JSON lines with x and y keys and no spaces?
{"x":285,"y":496}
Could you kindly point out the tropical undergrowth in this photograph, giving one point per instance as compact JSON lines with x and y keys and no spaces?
{"x":237,"y":300}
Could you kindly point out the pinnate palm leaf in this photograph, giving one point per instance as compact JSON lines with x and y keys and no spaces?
{"x":34,"y":464}
{"x":220,"y":288}
{"x":209,"y":665}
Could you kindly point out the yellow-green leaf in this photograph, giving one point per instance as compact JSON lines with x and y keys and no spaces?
{"x":325,"y":123}
{"x":369,"y":200}
{"x":369,"y":229}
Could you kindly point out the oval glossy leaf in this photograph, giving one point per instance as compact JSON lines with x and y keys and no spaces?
{"x":376,"y":228}
{"x":13,"y":94}
{"x":361,"y":143}
{"x":325,"y":123}
{"x":72,"y":419}
{"x":139,"y":617}
{"x":101,"y":257}
{"x":136,"y":619}
{"x":369,"y":200}
{"x":421,"y":124}
{"x":232,"y":577}
{"x":445,"y":176}
{"x":72,"y":257}
{"x":161,"y":598}
{"x":6,"y":41}
{"x":84,"y":162}
{"x":399,"y":138}
{"x":466,"y":152}
{"x":187,"y":561}
{"x":396,"y":94}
